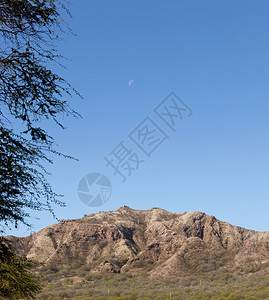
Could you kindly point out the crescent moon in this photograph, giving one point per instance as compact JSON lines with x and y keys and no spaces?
{"x":130,"y":83}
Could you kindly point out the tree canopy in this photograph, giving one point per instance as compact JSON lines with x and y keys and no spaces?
{"x":30,"y":91}
{"x":16,"y":278}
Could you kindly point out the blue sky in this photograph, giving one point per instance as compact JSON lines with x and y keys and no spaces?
{"x":215,"y":56}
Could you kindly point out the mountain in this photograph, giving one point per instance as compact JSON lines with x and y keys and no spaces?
{"x":155,"y":241}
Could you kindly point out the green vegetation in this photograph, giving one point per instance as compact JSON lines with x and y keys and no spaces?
{"x":16,"y":279}
{"x":80,"y":284}
{"x":31,"y":92}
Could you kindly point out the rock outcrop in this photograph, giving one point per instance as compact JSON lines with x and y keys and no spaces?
{"x":155,"y":241}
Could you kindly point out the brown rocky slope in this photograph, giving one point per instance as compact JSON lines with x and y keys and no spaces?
{"x":155,"y":241}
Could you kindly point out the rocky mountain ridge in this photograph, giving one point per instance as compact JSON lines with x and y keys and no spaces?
{"x":155,"y":241}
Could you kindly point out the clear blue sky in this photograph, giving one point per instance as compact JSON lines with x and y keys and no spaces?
{"x":215,"y":56}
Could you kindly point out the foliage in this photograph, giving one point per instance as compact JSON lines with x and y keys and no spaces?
{"x":30,"y":91}
{"x":219,"y":285}
{"x":16,"y":278}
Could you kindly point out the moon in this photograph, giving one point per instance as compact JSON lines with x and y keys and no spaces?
{"x":131,"y":82}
